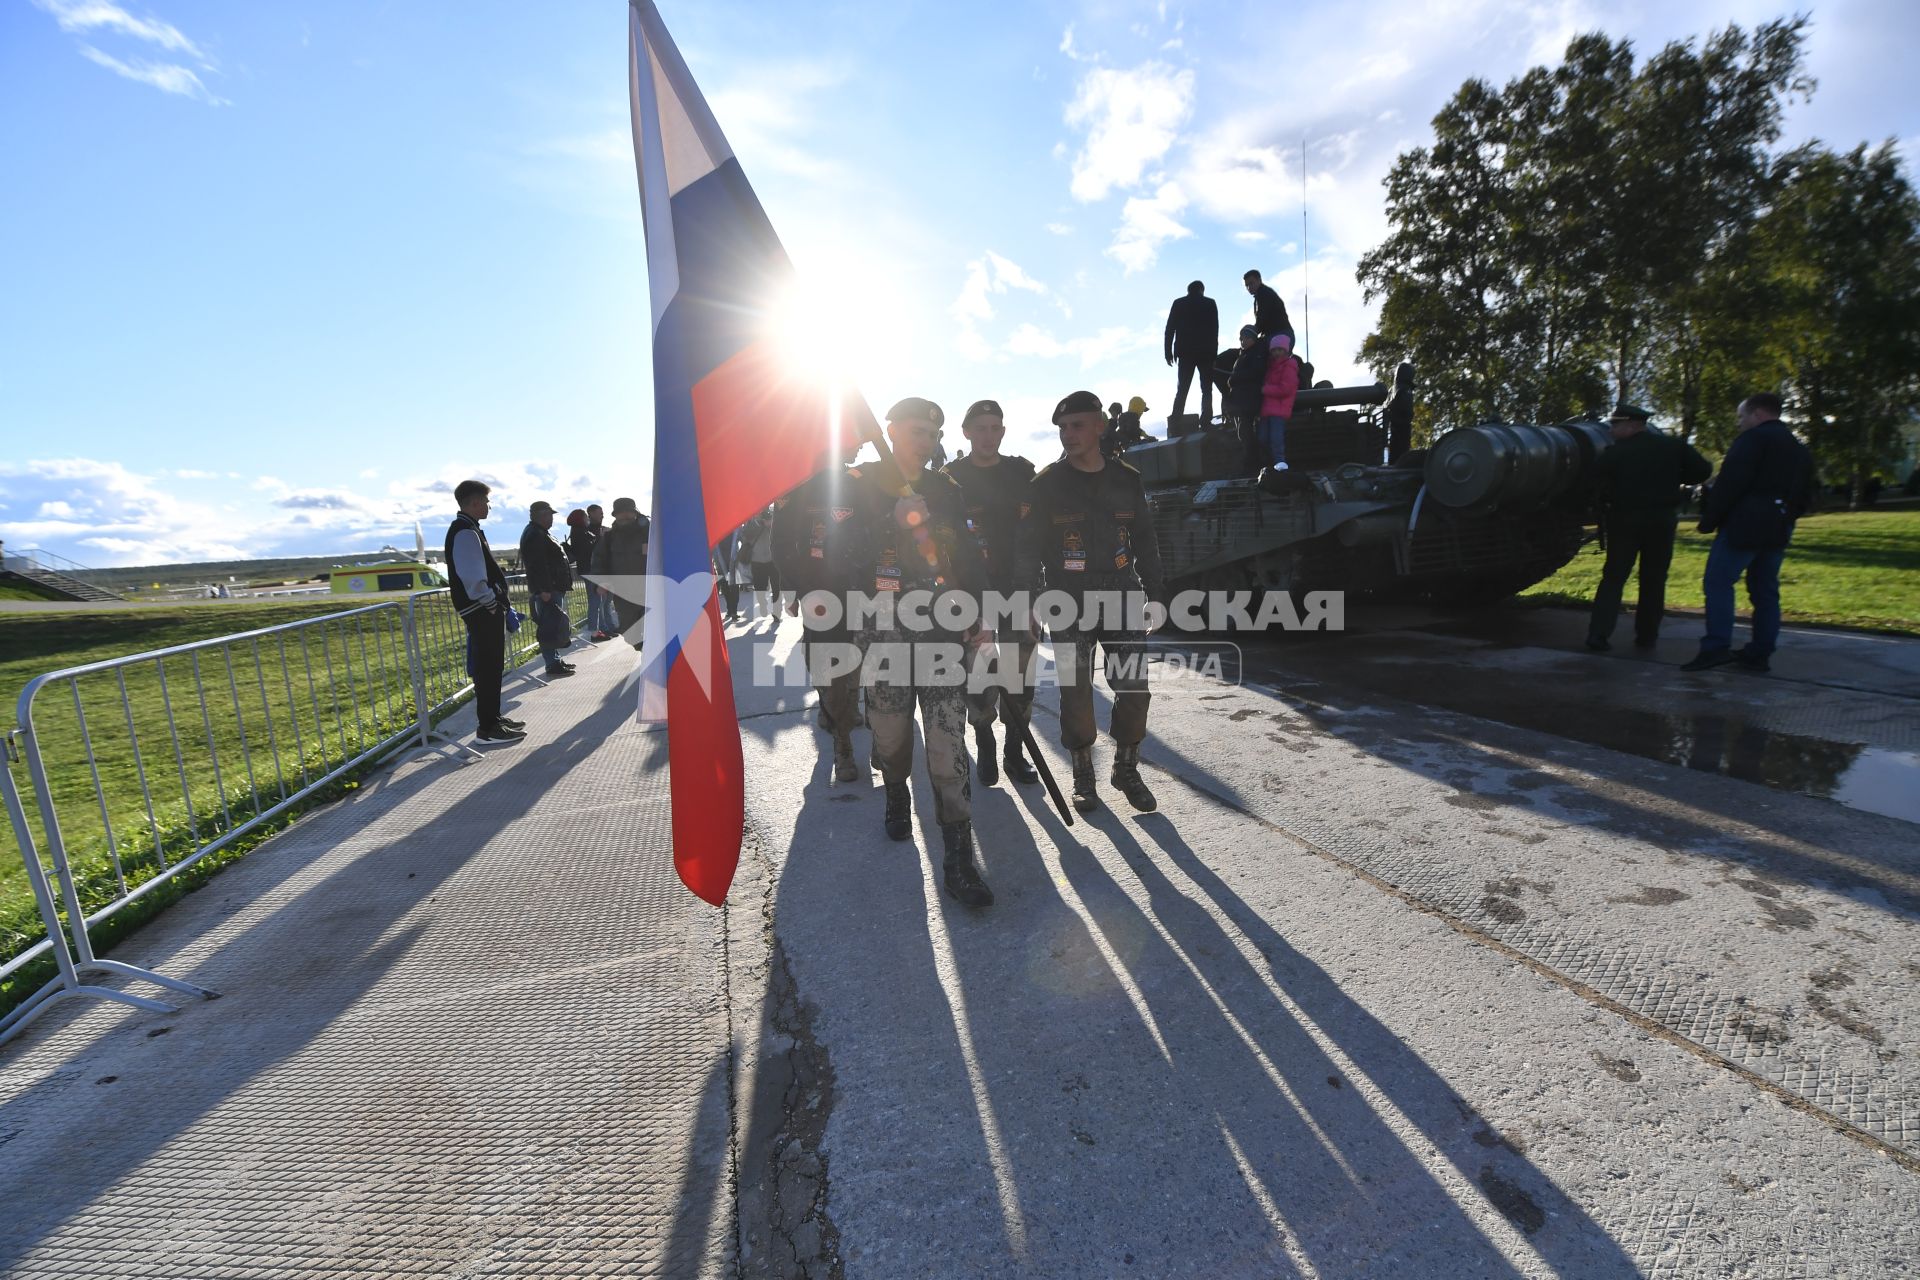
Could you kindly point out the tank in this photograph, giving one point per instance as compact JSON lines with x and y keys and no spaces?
{"x":1488,"y":511}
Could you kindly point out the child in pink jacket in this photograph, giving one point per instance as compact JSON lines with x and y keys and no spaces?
{"x":1276,"y":398}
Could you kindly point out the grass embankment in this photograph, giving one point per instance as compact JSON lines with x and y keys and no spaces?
{"x":223,"y":734}
{"x":1845,"y":569}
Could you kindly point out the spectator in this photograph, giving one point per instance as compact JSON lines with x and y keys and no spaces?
{"x":1242,"y":400}
{"x":1126,"y":431}
{"x":601,"y":619}
{"x":548,"y":580}
{"x":726,"y":559}
{"x":1765,"y":484}
{"x":479,"y":591}
{"x":756,"y":538}
{"x":1269,"y":313}
{"x":1193,"y":330}
{"x":620,"y":565}
{"x":579,"y":548}
{"x":1277,"y":390}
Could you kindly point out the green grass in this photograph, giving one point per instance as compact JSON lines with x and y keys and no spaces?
{"x":224,"y":734}
{"x":21,"y":589}
{"x":1845,"y":569}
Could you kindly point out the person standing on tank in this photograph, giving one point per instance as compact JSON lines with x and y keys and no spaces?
{"x":1193,"y":331}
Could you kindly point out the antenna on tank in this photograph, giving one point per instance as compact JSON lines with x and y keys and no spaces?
{"x":1306,"y":296}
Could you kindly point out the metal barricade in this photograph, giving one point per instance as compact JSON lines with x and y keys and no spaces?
{"x":144,"y":766}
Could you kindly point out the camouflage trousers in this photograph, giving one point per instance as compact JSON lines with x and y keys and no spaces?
{"x":891,"y":698}
{"x":839,"y":693}
{"x":994,"y":700}
{"x":1073,"y":659}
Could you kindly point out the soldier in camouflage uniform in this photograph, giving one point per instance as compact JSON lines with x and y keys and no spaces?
{"x":1088,"y":529}
{"x":803,"y":529}
{"x":896,"y":546}
{"x":995,"y":485}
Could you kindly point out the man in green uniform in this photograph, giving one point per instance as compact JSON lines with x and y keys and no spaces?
{"x":916,"y":549}
{"x":1088,"y":529}
{"x":1639,"y":484}
{"x":803,"y":528}
{"x":995,"y":486}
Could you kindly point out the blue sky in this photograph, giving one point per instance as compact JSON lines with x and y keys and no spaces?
{"x":278,"y":275}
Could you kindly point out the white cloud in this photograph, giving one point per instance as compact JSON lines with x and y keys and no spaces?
{"x":1233,"y":179}
{"x":1249,"y":237}
{"x":1108,"y":345}
{"x":167,"y":77}
{"x":1146,"y":223}
{"x":1059,"y":229}
{"x":188,"y":473}
{"x":1068,"y":47}
{"x":1131,"y":119}
{"x":989,"y":275}
{"x":76,"y":16}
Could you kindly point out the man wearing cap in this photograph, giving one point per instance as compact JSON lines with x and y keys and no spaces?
{"x":995,"y":488}
{"x":1124,"y":431}
{"x":479,"y":591}
{"x":804,"y":528}
{"x":1088,"y":529}
{"x":1193,"y":331}
{"x":548,"y":580}
{"x":911,"y":551}
{"x":620,"y":563}
{"x":1639,"y":481}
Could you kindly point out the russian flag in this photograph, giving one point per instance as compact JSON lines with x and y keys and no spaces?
{"x":735,"y":426}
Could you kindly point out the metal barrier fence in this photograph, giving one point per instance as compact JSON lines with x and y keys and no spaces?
{"x":144,"y":766}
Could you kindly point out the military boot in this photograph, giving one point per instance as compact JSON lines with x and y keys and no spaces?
{"x":899,"y":811}
{"x":1126,"y":777}
{"x":962,"y":876}
{"x":983,"y":750}
{"x":1085,"y":798}
{"x":845,"y":767}
{"x":1016,"y":765}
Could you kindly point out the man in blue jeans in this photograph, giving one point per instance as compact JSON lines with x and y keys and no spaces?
{"x":1765,"y":484}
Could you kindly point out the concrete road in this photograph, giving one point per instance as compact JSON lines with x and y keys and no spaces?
{"x":1384,"y":988}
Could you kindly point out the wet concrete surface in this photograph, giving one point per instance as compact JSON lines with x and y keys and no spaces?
{"x":1838,"y":717}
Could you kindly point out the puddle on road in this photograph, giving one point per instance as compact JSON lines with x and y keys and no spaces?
{"x":1873,"y":779}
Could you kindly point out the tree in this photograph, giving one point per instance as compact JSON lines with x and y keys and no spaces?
{"x":1842,"y":245}
{"x":1588,"y":219}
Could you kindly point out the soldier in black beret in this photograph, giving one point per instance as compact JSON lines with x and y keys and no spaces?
{"x":1088,"y":529}
{"x":897,"y":546}
{"x":1639,"y":486}
{"x":995,"y":485}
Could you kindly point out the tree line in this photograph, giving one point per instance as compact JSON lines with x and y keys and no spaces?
{"x":1609,"y":229}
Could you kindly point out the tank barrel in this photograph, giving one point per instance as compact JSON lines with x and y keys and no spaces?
{"x":1338,"y":397}
{"x":1512,"y":467}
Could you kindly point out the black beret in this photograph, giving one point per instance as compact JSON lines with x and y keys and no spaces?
{"x":1632,"y":411}
{"x":981,"y":409}
{"x":916,"y":407}
{"x":1078,"y":402}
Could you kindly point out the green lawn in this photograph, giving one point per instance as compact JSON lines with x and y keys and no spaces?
{"x":1845,"y":569}
{"x":224,"y":733}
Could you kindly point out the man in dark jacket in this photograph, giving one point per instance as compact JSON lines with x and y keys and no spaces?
{"x":579,"y":548}
{"x":601,"y":619}
{"x":1193,"y":331}
{"x":479,"y":592}
{"x":1269,"y":313}
{"x":1639,"y":481}
{"x":1243,"y":397}
{"x":1765,"y":484}
{"x":549,"y":578}
{"x":620,"y":563}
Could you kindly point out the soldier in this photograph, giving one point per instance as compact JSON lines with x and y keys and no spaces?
{"x":895,"y":546}
{"x":1088,"y":529}
{"x":1639,"y":480}
{"x":802,"y":533}
{"x":995,"y":487}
